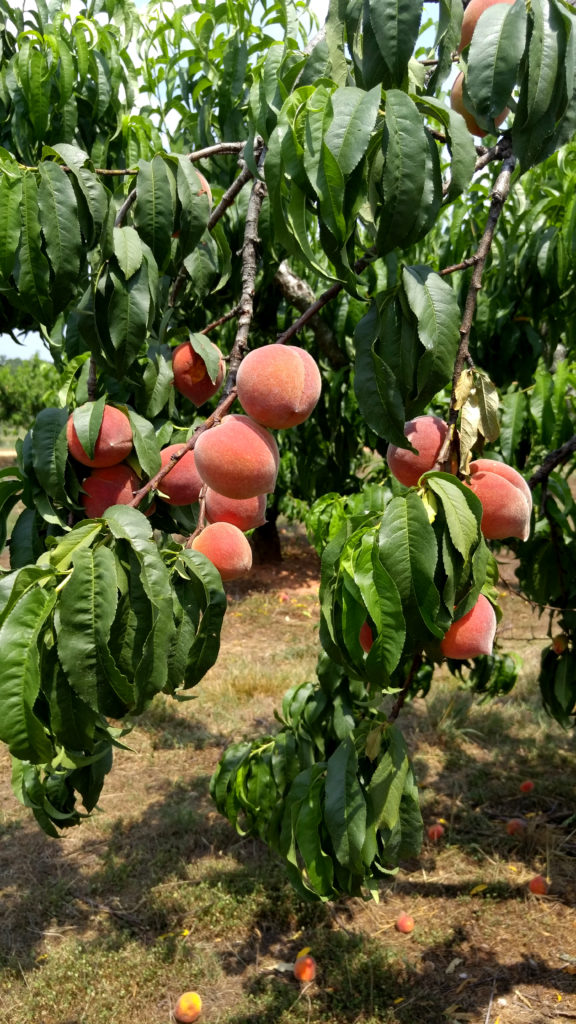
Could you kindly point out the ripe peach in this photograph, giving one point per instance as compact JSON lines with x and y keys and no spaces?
{"x":238,"y":458}
{"x":182,"y":485}
{"x":227,"y":548}
{"x":527,"y":786}
{"x":435,"y":832}
{"x":515,"y":826}
{"x":191,"y":376}
{"x":405,"y":924}
{"x":245,"y":513}
{"x":113,"y":444}
{"x":471,"y":15}
{"x":538,"y":885}
{"x":305,"y":968}
{"x":427,"y":435}
{"x":506,"y":499}
{"x":457,"y":103}
{"x":473,"y":634}
{"x":278,"y":385}
{"x":188,"y":1008}
{"x":366,"y":637}
{"x":112,"y":485}
{"x":559,"y":643}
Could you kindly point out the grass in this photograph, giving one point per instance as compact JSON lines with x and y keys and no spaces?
{"x":156,"y":894}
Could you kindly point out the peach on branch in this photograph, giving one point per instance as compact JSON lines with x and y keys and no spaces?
{"x":457,"y":104}
{"x":238,"y":458}
{"x":245,"y":513}
{"x":113,"y":444}
{"x":471,"y":15}
{"x":227,"y":548}
{"x":427,"y":435}
{"x":506,"y":499}
{"x":191,"y":378}
{"x":182,"y":485}
{"x":111,"y":485}
{"x":278,"y":385}
{"x":473,"y":634}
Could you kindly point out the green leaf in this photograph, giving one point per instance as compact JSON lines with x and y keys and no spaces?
{"x":10,"y":222}
{"x":145,"y":443}
{"x":460,"y":145}
{"x":32,"y":270}
{"x":514,"y":414}
{"x":409,"y":552}
{"x":384,"y":792}
{"x":80,"y":536}
{"x":353,"y":120}
{"x":128,"y":250}
{"x":154,"y":208}
{"x":435,"y":306}
{"x":20,"y":676}
{"x":128,"y":312}
{"x":345,"y":807}
{"x":395,"y":26}
{"x":494,"y":58}
{"x":462,"y":509}
{"x":50,"y":451}
{"x":195,"y":205}
{"x":209,"y":355}
{"x":87,"y":420}
{"x":60,"y":227}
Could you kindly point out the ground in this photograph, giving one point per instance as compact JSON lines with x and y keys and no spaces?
{"x":156,"y":894}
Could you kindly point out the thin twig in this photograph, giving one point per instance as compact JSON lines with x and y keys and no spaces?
{"x":221,"y":320}
{"x":552,"y":460}
{"x":301,"y":295}
{"x":463,"y":265}
{"x":401,"y":698}
{"x":324,"y":299}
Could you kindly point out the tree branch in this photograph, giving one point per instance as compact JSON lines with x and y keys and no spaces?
{"x":324,"y":299}
{"x":553,"y":459}
{"x":401,"y":698}
{"x":301,"y":295}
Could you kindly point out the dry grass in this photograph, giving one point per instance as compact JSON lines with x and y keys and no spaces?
{"x":156,"y":893}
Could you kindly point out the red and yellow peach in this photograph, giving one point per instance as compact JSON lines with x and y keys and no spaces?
{"x":278,"y":385}
{"x":111,"y":485}
{"x":113,"y":444}
{"x":426,"y":434}
{"x":506,"y":499}
{"x":182,"y":485}
{"x":191,"y":378}
{"x":227,"y":548}
{"x":238,"y":458}
{"x":473,"y":634}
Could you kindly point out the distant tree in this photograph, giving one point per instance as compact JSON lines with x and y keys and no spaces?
{"x":26,"y":387}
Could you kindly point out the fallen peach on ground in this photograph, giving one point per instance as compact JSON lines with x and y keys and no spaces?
{"x":278,"y":385}
{"x":227,"y":548}
{"x":405,"y":924}
{"x":305,"y":968}
{"x":427,"y":435}
{"x":473,"y":634}
{"x":538,"y":885}
{"x":188,"y":1008}
{"x":435,"y":832}
{"x":113,"y":444}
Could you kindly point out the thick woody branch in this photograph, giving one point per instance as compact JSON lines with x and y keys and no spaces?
{"x":249,"y":267}
{"x":300,"y":294}
{"x":556,"y":458}
{"x":499,"y":196}
{"x":324,"y":299}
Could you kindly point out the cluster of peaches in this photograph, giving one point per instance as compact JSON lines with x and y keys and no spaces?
{"x":471,"y":16}
{"x":506,"y":510}
{"x":234,"y":463}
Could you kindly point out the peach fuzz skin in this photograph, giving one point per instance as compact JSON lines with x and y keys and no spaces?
{"x":457,"y":104}
{"x":182,"y":485}
{"x":427,"y":435}
{"x":188,"y":1008}
{"x":473,"y":634}
{"x":238,"y":458}
{"x":190,"y":375}
{"x":227,"y":548}
{"x":245,"y":513}
{"x":278,"y":385}
{"x":506,"y":499}
{"x":471,"y":15}
{"x":111,"y":485}
{"x":114,"y":442}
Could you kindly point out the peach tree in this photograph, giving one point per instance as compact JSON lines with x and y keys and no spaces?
{"x":192,"y":180}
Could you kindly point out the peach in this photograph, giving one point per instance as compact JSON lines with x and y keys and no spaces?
{"x":506,"y":499}
{"x":471,"y":15}
{"x":457,"y":104}
{"x":113,"y":444}
{"x":182,"y":485}
{"x":227,"y":548}
{"x":559,"y":643}
{"x":305,"y":968}
{"x":278,"y":385}
{"x":427,"y":435}
{"x":405,"y":924}
{"x":188,"y":1008}
{"x":473,"y":634}
{"x":245,"y":513}
{"x":435,"y":832}
{"x":366,"y":637}
{"x":238,"y":458}
{"x":111,"y":485}
{"x":527,"y":786}
{"x":538,"y":885}
{"x":515,"y":826}
{"x":191,"y":377}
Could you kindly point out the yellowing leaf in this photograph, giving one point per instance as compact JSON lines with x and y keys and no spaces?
{"x":303,"y":952}
{"x":430,"y":504}
{"x":464,"y":387}
{"x":477,"y":888}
